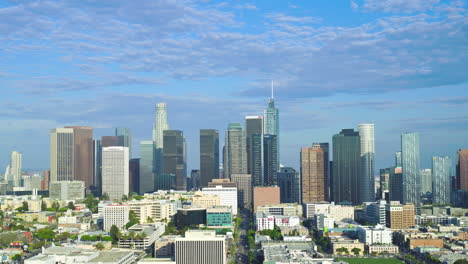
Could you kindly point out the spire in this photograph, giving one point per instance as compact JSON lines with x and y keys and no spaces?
{"x":272,"y":89}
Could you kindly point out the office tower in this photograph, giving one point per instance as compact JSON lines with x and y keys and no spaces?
{"x":346,"y":166}
{"x":71,"y":154}
{"x":115,"y":214}
{"x":244,"y":189}
{"x":462,"y":169}
{"x":313,"y":174}
{"x":367,"y":179}
{"x":67,"y":190}
{"x":398,"y":159}
{"x":270,"y":160}
{"x":227,"y":195}
{"x":200,"y":247}
{"x":254,"y":147}
{"x":426,"y":180}
{"x":195,"y":178}
{"x":441,"y":174}
{"x":410,"y":168}
{"x":6,"y":176}
{"x":148,"y":181}
{"x":160,"y":124}
{"x":16,"y":164}
{"x":112,"y":141}
{"x":265,"y":196}
{"x":174,"y":157}
{"x":45,"y":180}
{"x":289,"y":186}
{"x":125,"y":138}
{"x":327,"y":169}
{"x":222,"y":182}
{"x":115,"y":172}
{"x":271,"y":123}
{"x":384,"y":188}
{"x":235,"y":155}
{"x":97,"y":167}
{"x":209,"y":156}
{"x":396,"y":184}
{"x":134,"y":167}
{"x":399,"y":216}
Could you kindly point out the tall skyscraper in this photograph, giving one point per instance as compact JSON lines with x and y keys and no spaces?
{"x":235,"y":155}
{"x":97,"y":167}
{"x":313,"y":174}
{"x":289,"y":185}
{"x":462,"y":169}
{"x":125,"y":137}
{"x":426,"y":180}
{"x":209,"y":155}
{"x":71,"y":154}
{"x":410,"y":168}
{"x":398,"y":159}
{"x":441,"y":175}
{"x":148,"y":181}
{"x":396,"y":184}
{"x":16,"y":164}
{"x":174,"y":157}
{"x":160,"y":124}
{"x":244,"y":189}
{"x":111,"y":141}
{"x":271,"y":122}
{"x":346,"y":166}
{"x":115,"y":172}
{"x":134,"y":167}
{"x":367,"y":179}
{"x":270,"y":160}
{"x":254,"y":147}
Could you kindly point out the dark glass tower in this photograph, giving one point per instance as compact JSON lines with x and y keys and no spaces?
{"x":289,"y":185}
{"x":147,"y":182}
{"x":125,"y":137}
{"x":270,"y":158}
{"x":254,"y":147}
{"x":174,"y":157}
{"x":209,"y":156}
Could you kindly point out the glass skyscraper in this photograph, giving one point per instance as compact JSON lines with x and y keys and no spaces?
{"x":270,"y":160}
{"x":367,"y":181}
{"x":235,"y":154}
{"x":254,"y":147}
{"x":410,"y":168}
{"x":174,"y":159}
{"x":125,"y":136}
{"x":426,"y":180}
{"x":209,"y":156}
{"x":147,"y":182}
{"x":271,"y":123}
{"x":441,"y":179}
{"x":160,"y":124}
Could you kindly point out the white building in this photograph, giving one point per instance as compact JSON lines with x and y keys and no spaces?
{"x":311,"y":209}
{"x":200,"y":247}
{"x":151,"y":233}
{"x":228,"y":196}
{"x":115,"y":172}
{"x":337,"y":212}
{"x":67,"y":190}
{"x":115,"y":214}
{"x":374,"y":235}
{"x":367,"y":181}
{"x":323,"y":222}
{"x":265,"y":223}
{"x":15,"y":168}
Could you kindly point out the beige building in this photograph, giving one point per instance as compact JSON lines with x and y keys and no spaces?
{"x":399,"y":216}
{"x":285,"y":209}
{"x":164,"y":247}
{"x":222,"y":182}
{"x":157,"y":210}
{"x":349,"y":245}
{"x":34,"y":206}
{"x":266,"y":196}
{"x":385,"y":249}
{"x":201,"y":247}
{"x":313,"y":174}
{"x":244,"y":189}
{"x":204,"y":200}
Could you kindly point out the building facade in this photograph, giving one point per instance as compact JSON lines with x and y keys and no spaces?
{"x":367,"y":180}
{"x":200,"y":247}
{"x":290,"y":185}
{"x":313,"y":174}
{"x":115,"y":172}
{"x":175,"y":157}
{"x":254,"y":147}
{"x":410,"y":168}
{"x":235,"y":153}
{"x":115,"y":214}
{"x":462,"y":169}
{"x":271,"y":123}
{"x":244,"y":189}
{"x":270,"y":160}
{"x":209,"y":156}
{"x":265,"y":196}
{"x":228,"y":196}
{"x":160,"y":124}
{"x":441,"y":180}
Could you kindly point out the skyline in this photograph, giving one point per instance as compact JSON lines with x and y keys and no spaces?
{"x":411,"y":76}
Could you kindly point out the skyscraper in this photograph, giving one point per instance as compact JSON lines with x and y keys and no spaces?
{"x":125,"y":137}
{"x":148,"y":182}
{"x":289,"y":185}
{"x":426,"y":180}
{"x":270,"y":160}
{"x":97,"y":167}
{"x":396,"y":184}
{"x":235,"y":155}
{"x":16,"y":164}
{"x":441,"y":174}
{"x":254,"y":147}
{"x":346,"y":166}
{"x":134,"y":175}
{"x":209,"y":156}
{"x":160,"y":124}
{"x":271,"y":122}
{"x":410,"y":168}
{"x":244,"y":189}
{"x":115,"y":172}
{"x":112,"y":141}
{"x":71,"y":154}
{"x":367,"y":179}
{"x":398,"y":159}
{"x":462,"y":169}
{"x":313,"y":174}
{"x":174,"y":157}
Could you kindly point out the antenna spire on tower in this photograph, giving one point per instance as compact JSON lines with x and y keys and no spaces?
{"x":272,"y":89}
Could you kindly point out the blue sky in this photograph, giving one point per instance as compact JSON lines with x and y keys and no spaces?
{"x":399,"y":64}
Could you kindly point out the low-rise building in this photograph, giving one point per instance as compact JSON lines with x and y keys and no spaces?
{"x":142,"y":236}
{"x":164,"y":247}
{"x":348,"y":245}
{"x":269,"y":221}
{"x":219,"y":216}
{"x":383,"y":249}
{"x":115,"y":214}
{"x":399,"y":216}
{"x":204,"y":200}
{"x":287,"y":209}
{"x":374,"y":235}
{"x":323,"y":222}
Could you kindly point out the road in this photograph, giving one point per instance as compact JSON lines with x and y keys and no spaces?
{"x":242,"y":255}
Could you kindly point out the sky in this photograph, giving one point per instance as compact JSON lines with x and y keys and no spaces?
{"x":400,"y":64}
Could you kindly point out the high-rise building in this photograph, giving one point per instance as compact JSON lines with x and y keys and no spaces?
{"x":265,"y":196}
{"x":313,"y":174}
{"x":227,"y":195}
{"x":462,"y":169}
{"x":367,"y":179}
{"x":125,"y":137}
{"x":66,"y":190}
{"x":209,"y":156}
{"x":426,"y":180}
{"x":112,"y":141}
{"x":71,"y":154}
{"x":222,"y":182}
{"x":235,"y":155}
{"x":134,"y":167}
{"x":399,"y":216}
{"x":16,"y":164}
{"x":346,"y":166}
{"x":115,"y":214}
{"x":270,"y":160}
{"x":441,"y":174}
{"x":410,"y":168}
{"x":45,"y":180}
{"x":148,"y":182}
{"x":271,"y":123}
{"x":195,"y":178}
{"x":254,"y":147}
{"x":97,"y":167}
{"x":244,"y":189}
{"x":396,"y":184}
{"x":115,"y":172}
{"x":384,"y":188}
{"x":174,"y":161}
{"x":200,"y":247}
{"x":160,"y":124}
{"x":398,"y":159}
{"x":289,"y":184}
{"x":327,"y":170}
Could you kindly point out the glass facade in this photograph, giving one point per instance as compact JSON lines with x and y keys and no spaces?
{"x":209,"y":156}
{"x":270,"y":160}
{"x":174,"y":157}
{"x":271,"y":123}
{"x":235,"y":154}
{"x":410,"y":168}
{"x":441,"y":179}
{"x":147,"y":181}
{"x":254,"y":147}
{"x":218,"y":218}
{"x":125,"y":136}
{"x":367,"y":180}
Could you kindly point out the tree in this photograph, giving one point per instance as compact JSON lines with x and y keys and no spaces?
{"x":106,"y":238}
{"x":25,"y":206}
{"x":56,"y":206}
{"x":133,"y":219}
{"x":356,"y":251}
{"x":16,"y":257}
{"x":71,"y":205}
{"x":63,"y":236}
{"x":149,"y":219}
{"x":100,"y":246}
{"x":46,"y":234}
{"x":104,"y":197}
{"x":43,"y":206}
{"x":114,"y":233}
{"x":461,"y":261}
{"x":124,"y":198}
